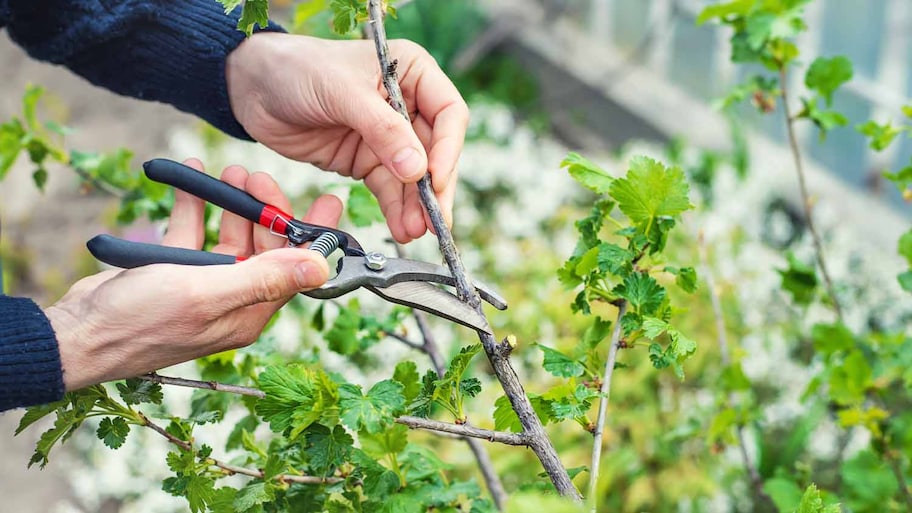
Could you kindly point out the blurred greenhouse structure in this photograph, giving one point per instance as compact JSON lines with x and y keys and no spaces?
{"x":616,"y":70}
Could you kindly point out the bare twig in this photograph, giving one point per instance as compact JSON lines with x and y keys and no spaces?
{"x":603,"y":408}
{"x":205,"y":385}
{"x":539,"y":441}
{"x":805,"y":195}
{"x":502,"y":437}
{"x":234,"y":469}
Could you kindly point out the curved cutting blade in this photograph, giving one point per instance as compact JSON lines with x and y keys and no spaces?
{"x":432,"y":299}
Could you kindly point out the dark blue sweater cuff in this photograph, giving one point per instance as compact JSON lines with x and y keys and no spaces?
{"x":171,"y":51}
{"x":30,"y":370}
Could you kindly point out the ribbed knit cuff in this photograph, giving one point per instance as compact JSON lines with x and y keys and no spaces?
{"x":30,"y":370}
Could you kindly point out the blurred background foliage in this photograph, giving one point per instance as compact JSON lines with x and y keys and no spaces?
{"x":803,"y":399}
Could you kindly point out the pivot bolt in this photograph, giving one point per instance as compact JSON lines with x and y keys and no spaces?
{"x":375,"y":261}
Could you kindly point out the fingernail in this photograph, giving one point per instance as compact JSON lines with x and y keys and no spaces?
{"x":308,"y":275}
{"x":407,"y":162}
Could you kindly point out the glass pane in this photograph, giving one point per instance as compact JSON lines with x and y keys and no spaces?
{"x":630,"y":22}
{"x":691,"y":67}
{"x":854,"y":28}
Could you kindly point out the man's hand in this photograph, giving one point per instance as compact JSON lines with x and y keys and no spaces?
{"x":323,"y":102}
{"x":119,"y":324}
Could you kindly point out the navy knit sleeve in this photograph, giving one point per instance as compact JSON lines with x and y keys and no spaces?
{"x":30,"y":371}
{"x":171,"y":51}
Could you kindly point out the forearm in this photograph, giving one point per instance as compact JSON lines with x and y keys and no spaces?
{"x":171,"y":51}
{"x":30,"y":370}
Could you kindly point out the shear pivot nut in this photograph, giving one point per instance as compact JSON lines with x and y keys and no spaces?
{"x":375,"y":261}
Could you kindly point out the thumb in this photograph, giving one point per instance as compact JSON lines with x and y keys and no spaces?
{"x":275,"y":275}
{"x":390,"y":137}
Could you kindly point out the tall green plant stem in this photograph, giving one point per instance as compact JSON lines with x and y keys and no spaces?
{"x":605,"y":393}
{"x":805,"y":195}
{"x":498,"y":354}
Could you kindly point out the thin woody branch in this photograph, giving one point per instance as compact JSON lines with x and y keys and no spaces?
{"x":205,"y":385}
{"x":605,"y":392}
{"x":533,"y":429}
{"x":234,"y":469}
{"x":502,"y":437}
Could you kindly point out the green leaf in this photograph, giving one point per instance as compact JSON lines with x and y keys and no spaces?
{"x":650,"y":190}
{"x":113,"y":432}
{"x":254,"y":494}
{"x":615,"y":259}
{"x":469,"y":387}
{"x":850,"y":381}
{"x":345,"y":15}
{"x":829,"y":338}
{"x":824,"y":120}
{"x":572,"y":405}
{"x":587,"y":173}
{"x":881,"y":135}
{"x":905,"y":280}
{"x":907,"y":110}
{"x":388,"y":441}
{"x":200,"y":491}
{"x":685,"y":278}
{"x":784,"y":493}
{"x":725,"y":10}
{"x":255,"y":12}
{"x":406,"y":374}
{"x":327,"y":449}
{"x":296,"y":397}
{"x":642,"y":291}
{"x":343,"y":336}
{"x":867,"y":480}
{"x":362,"y":208}
{"x":559,"y":364}
{"x":35,"y":413}
{"x":11,"y":134}
{"x":379,"y":482}
{"x":505,"y":419}
{"x":826,"y":75}
{"x":138,"y":391}
{"x":40,"y":176}
{"x":905,"y":246}
{"x":811,"y":502}
{"x":799,"y":280}
{"x":374,"y":411}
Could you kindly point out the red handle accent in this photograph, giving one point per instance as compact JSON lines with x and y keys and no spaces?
{"x":274,"y":219}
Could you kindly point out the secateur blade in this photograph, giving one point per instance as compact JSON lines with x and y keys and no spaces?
{"x":430,"y":298}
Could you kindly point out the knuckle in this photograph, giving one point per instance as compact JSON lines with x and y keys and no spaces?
{"x":269,"y":287}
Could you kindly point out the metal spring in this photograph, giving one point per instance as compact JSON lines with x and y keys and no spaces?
{"x":325,"y":244}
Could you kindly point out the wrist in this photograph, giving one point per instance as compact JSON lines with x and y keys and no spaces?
{"x":79,"y":345}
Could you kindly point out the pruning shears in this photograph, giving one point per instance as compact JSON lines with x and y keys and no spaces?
{"x":398,"y":280}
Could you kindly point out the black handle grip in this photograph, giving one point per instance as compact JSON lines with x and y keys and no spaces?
{"x":127,"y":255}
{"x":204,"y":186}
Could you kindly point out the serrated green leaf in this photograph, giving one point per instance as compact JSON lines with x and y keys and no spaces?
{"x":850,"y":381}
{"x":615,"y":259}
{"x":469,"y":387}
{"x":642,"y":291}
{"x":296,"y":397}
{"x":811,"y":502}
{"x":388,"y":441}
{"x":362,"y":207}
{"x":573,"y":405}
{"x":686,"y":279}
{"x":199,"y":492}
{"x":252,"y":495}
{"x":826,"y":75}
{"x":343,"y":336}
{"x":559,"y":364}
{"x":345,"y":15}
{"x":379,"y":482}
{"x":587,"y":173}
{"x":371,"y":412}
{"x":138,"y":391}
{"x":113,"y":432}
{"x":784,"y":493}
{"x":255,"y":13}
{"x":223,"y":500}
{"x":327,"y":449}
{"x":35,"y":413}
{"x":824,"y":120}
{"x":406,"y":374}
{"x":650,"y":190}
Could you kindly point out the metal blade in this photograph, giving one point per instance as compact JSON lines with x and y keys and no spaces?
{"x":432,"y":299}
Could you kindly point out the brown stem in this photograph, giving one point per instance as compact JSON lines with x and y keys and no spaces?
{"x":533,"y":429}
{"x":605,"y":393}
{"x":234,"y":469}
{"x":502,"y":437}
{"x":205,"y":385}
{"x":896,"y":467}
{"x":805,"y":196}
